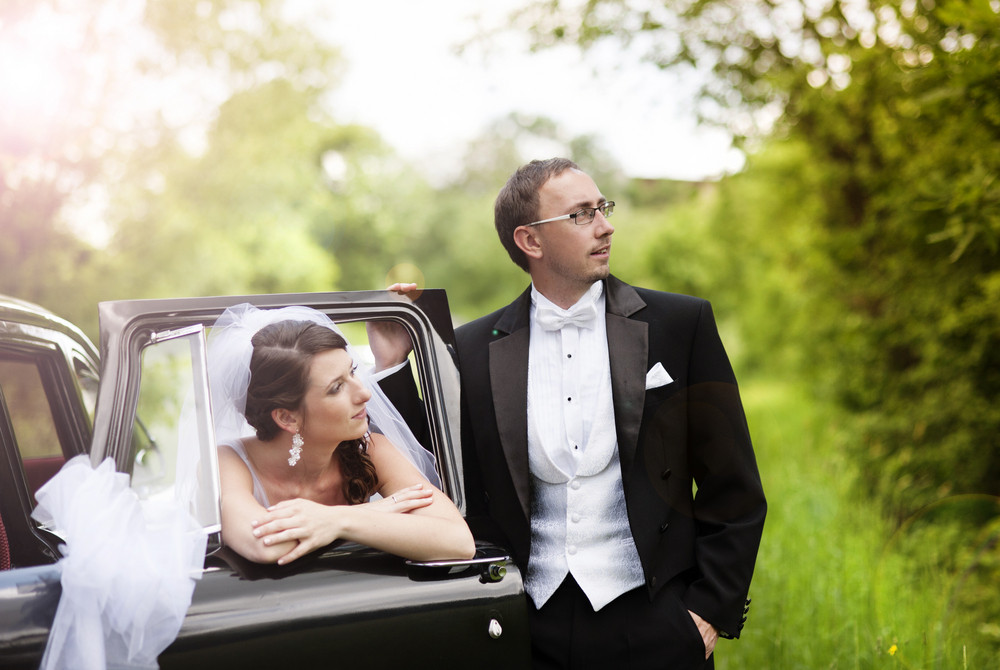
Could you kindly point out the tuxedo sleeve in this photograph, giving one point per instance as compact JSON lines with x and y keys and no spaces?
{"x":401,"y":389}
{"x":729,"y":505}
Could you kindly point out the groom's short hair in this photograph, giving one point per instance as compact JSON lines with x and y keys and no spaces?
{"x":517,"y":203}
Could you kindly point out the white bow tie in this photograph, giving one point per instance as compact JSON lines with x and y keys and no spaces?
{"x":550,"y":318}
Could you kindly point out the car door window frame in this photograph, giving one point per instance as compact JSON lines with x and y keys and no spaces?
{"x":135,"y":321}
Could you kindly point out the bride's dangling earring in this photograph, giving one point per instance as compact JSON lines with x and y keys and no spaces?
{"x":296,"y":450}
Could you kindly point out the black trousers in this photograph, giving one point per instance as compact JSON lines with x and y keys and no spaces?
{"x":629,"y":632}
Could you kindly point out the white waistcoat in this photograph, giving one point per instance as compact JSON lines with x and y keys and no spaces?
{"x":579,"y":523}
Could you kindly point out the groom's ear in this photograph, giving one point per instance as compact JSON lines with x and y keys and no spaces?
{"x":286,"y":419}
{"x":527,"y":241}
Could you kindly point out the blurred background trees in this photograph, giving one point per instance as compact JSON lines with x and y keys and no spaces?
{"x":174,"y":135}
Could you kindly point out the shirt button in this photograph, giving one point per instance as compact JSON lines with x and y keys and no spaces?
{"x":571,"y":550}
{"x":575,"y":484}
{"x":575,"y":518}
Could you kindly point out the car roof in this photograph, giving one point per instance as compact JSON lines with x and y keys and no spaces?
{"x":22,"y":317}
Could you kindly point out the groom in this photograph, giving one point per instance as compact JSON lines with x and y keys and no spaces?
{"x":602,"y":431}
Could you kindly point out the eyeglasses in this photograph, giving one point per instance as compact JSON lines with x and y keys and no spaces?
{"x":582,"y":217}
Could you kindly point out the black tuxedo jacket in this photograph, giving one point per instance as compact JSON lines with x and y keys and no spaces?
{"x":690,"y":433}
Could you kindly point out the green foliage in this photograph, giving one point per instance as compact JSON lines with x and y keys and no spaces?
{"x":236,"y":219}
{"x":746,"y":243}
{"x":89,"y":144}
{"x":836,"y":584}
{"x":770,"y":260}
{"x":911,"y":221}
{"x":37,"y":249}
{"x":515,"y":139}
{"x":378,"y":214}
{"x":468,"y":259}
{"x":663,"y":241}
{"x":955,"y":545}
{"x":245,"y":41}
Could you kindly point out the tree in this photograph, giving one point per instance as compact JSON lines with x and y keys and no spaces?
{"x":93,"y":92}
{"x":238,"y":218}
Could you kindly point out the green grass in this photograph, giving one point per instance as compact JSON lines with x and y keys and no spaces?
{"x":839,"y":586}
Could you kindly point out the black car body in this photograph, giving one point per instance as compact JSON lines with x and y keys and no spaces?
{"x":345,"y":603}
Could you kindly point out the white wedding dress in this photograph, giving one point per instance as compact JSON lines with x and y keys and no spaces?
{"x":128,"y":571}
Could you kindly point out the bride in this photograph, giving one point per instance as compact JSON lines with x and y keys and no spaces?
{"x":298,"y":461}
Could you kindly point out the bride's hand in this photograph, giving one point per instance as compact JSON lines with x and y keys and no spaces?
{"x":404,"y":500}
{"x":303,"y":521}
{"x":313,"y":525}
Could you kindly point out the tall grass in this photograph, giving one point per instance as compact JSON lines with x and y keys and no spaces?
{"x":839,"y":586}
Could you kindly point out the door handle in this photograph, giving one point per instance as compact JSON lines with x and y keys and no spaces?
{"x":490,"y":568}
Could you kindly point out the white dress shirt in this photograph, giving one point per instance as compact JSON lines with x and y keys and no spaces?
{"x":579,"y":523}
{"x":566,"y":369}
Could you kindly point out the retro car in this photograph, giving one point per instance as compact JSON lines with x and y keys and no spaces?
{"x":345,"y":603}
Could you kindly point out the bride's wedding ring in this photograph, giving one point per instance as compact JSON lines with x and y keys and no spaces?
{"x":393,"y":498}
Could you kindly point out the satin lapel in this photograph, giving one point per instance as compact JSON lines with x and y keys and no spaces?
{"x":628,"y":350}
{"x":509,"y":386}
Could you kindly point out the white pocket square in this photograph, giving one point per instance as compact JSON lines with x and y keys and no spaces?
{"x":657,"y":377}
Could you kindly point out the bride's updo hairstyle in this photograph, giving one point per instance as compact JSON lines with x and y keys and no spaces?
{"x":279,"y":376}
